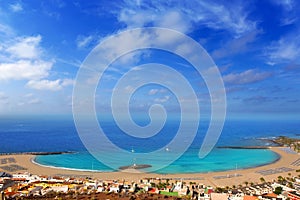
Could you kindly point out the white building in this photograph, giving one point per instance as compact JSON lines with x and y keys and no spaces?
{"x":284,"y":188}
{"x":24,"y":175}
{"x":114,"y":188}
{"x":61,"y":188}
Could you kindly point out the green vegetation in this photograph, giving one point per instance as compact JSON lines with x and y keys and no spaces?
{"x":161,"y":185}
{"x":291,"y":142}
{"x":278,"y":190}
{"x":219,"y":190}
{"x":175,"y":194}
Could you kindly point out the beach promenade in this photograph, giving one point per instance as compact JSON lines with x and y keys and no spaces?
{"x":287,"y":164}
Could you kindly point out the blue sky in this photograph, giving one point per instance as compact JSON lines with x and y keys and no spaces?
{"x":255,"y":44}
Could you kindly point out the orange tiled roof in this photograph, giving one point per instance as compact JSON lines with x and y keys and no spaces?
{"x":247,"y":197}
{"x":272,"y":195}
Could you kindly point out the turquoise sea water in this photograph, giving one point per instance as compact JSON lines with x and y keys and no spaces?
{"x":53,"y":134}
{"x":217,"y":160}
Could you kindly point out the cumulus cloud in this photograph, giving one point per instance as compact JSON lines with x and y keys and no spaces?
{"x":249,"y":76}
{"x":54,"y":85}
{"x":183,"y":16}
{"x":26,"y":47}
{"x":25,"y":70}
{"x":44,"y":85}
{"x":131,"y":40}
{"x":25,"y":62}
{"x":67,"y":82}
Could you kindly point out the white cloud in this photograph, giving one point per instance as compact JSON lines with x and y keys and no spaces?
{"x":6,"y":30}
{"x":131,"y":40}
{"x":231,"y":17}
{"x":54,"y":85}
{"x":134,"y":40}
{"x":153,"y":91}
{"x":17,"y":7}
{"x":30,"y":99}
{"x":67,"y":82}
{"x":129,"y":89}
{"x":180,"y":15}
{"x":29,"y":102}
{"x":249,"y":76}
{"x":74,"y":62}
{"x":287,"y":4}
{"x":175,"y":20}
{"x":26,"y":63}
{"x":34,"y":101}
{"x":84,"y":41}
{"x":28,"y":95}
{"x":45,"y":85}
{"x":289,"y":13}
{"x":162,"y":100}
{"x":26,"y":48}
{"x":24,"y":70}
{"x":135,"y":18}
{"x":286,"y":49}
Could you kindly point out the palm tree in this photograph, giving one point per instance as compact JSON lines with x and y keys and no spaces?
{"x":262,"y":179}
{"x":167,"y":181}
{"x":246,"y":183}
{"x":290,"y":185}
{"x":219,"y":190}
{"x":280,"y":179}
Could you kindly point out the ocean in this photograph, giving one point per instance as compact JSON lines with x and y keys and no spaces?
{"x":54,"y":134}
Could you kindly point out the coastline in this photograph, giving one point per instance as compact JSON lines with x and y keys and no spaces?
{"x":220,"y":178}
{"x":62,"y":168}
{"x":39,"y":153}
{"x":142,"y":166}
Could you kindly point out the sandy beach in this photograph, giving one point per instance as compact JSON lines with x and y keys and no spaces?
{"x":282,"y":167}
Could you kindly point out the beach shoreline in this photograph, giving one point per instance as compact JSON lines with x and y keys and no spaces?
{"x":220,"y":178}
{"x":33,"y":160}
